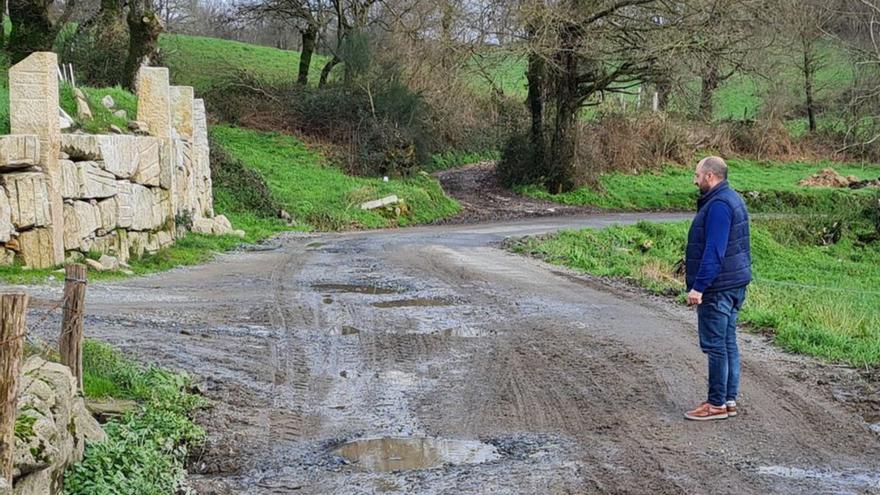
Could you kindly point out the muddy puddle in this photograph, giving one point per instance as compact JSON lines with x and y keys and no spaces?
{"x":349,"y":330}
{"x":417,"y":302}
{"x":465,"y":331}
{"x":401,"y":454}
{"x":352,"y":288}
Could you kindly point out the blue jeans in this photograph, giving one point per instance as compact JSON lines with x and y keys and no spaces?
{"x":717,"y":328}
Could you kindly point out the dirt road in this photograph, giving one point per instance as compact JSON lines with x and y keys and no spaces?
{"x":525,"y":378}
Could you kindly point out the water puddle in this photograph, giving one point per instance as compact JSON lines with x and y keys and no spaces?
{"x":352,"y":288}
{"x":349,"y":330}
{"x":399,"y":454}
{"x":418,"y":302}
{"x":465,"y":331}
{"x":328,"y":300}
{"x":839,"y":478}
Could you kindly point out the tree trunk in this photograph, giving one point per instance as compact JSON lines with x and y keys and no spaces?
{"x":710,"y":83}
{"x":447,"y":11}
{"x":536,"y":75}
{"x":309,"y":36}
{"x":563,"y":146}
{"x":664,"y":89}
{"x":144,"y":27}
{"x":809,"y":71}
{"x":107,"y":42}
{"x":325,"y":72}
{"x":3,"y":25}
{"x":32,"y":30}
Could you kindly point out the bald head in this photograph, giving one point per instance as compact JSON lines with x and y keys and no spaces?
{"x":714,"y":165}
{"x":710,"y":172}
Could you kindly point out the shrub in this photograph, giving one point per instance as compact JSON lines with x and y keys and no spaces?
{"x":145,"y":450}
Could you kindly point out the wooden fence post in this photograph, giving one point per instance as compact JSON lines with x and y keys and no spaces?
{"x":13,"y":318}
{"x":70,"y":342}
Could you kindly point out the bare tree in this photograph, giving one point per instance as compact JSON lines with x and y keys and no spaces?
{"x":730,"y":38}
{"x":806,"y":21}
{"x":857,"y":28}
{"x":578,"y":52}
{"x":307,"y":16}
{"x":144,"y":27}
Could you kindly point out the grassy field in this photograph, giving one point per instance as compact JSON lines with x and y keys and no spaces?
{"x":202,"y":62}
{"x":814,"y":299}
{"x":767,"y":186}
{"x":319,"y":195}
{"x":739,"y":97}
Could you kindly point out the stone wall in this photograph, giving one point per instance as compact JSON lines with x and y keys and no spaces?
{"x":64,"y":195}
{"x":58,"y":428}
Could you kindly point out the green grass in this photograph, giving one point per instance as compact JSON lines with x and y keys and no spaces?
{"x":102,"y":118}
{"x":767,"y":186}
{"x":452,"y":159}
{"x":203,"y":62}
{"x":146,"y":449}
{"x":739,"y":97}
{"x":817,"y":300}
{"x":321,"y":196}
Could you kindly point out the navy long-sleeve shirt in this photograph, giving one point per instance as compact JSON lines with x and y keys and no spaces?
{"x":718,"y":222}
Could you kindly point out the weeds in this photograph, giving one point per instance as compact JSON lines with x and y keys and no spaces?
{"x":146,"y":449}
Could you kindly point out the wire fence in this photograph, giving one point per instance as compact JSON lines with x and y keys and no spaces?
{"x":786,"y":283}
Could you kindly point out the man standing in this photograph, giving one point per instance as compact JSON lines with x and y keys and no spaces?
{"x":718,"y":267}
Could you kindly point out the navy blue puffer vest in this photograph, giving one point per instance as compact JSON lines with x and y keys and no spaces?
{"x":736,"y":267}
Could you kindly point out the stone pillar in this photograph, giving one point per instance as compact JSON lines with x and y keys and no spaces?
{"x":182,"y":111}
{"x":201,"y":160}
{"x":154,"y":100}
{"x":33,"y":109}
{"x":154,"y":109}
{"x":200,"y":123}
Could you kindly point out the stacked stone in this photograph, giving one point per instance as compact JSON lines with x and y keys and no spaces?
{"x":117,"y":194}
{"x":120,"y":195}
{"x":193,"y":188}
{"x":25,"y":216}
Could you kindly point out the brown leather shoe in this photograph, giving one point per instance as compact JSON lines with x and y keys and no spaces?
{"x":707,"y":412}
{"x":731,"y":408}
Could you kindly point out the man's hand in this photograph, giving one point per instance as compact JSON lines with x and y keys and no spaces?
{"x":695,"y":297}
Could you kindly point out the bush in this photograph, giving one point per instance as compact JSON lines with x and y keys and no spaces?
{"x":249,"y":192}
{"x":145,"y":450}
{"x":516,"y":166}
{"x":379,"y":121}
{"x":616,"y":142}
{"x":97,"y":50}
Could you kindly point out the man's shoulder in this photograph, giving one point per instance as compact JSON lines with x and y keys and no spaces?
{"x":731,"y":198}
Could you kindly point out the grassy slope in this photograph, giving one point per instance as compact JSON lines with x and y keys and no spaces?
{"x":672,"y":187}
{"x":319,"y":194}
{"x":200,"y":62}
{"x":818,"y":300}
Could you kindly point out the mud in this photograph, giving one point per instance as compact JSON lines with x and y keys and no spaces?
{"x":352,"y":288}
{"x":578,"y":385}
{"x":482,"y":198}
{"x":417,"y":302}
{"x":407,"y":454}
